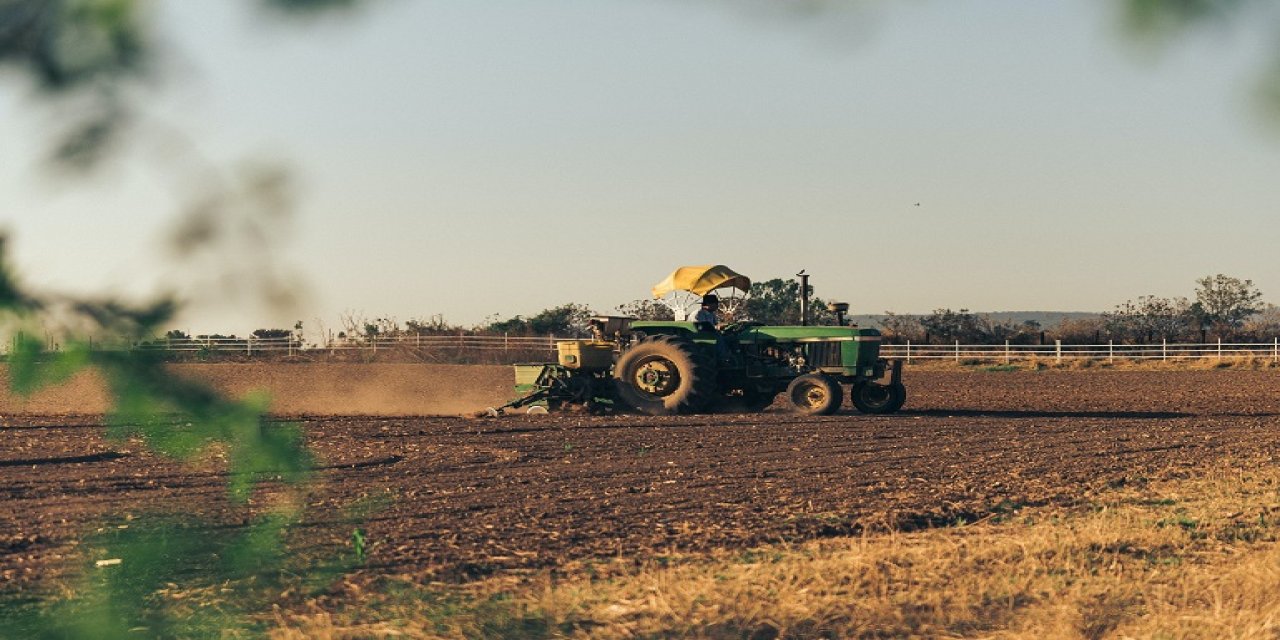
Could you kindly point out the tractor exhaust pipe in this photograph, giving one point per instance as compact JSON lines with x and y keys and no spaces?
{"x":804,"y":298}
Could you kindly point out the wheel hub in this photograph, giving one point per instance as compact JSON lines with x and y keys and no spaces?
{"x":815,"y":396}
{"x":657,"y":377}
{"x":877,"y":394}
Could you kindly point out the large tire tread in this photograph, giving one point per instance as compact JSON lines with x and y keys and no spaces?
{"x":815,"y":394}
{"x":878,"y":399}
{"x":696,"y":369}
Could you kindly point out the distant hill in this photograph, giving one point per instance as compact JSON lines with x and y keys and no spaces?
{"x":1046,"y":319}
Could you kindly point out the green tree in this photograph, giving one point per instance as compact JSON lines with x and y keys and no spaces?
{"x":777,"y":302}
{"x":569,"y":319}
{"x":432,"y":325}
{"x":1224,"y":303}
{"x":646,"y":309}
{"x":950,"y":326}
{"x":272,"y":334}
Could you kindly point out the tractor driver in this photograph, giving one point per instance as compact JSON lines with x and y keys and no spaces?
{"x":706,"y":319}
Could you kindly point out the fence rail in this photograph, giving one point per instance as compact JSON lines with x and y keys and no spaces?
{"x":545,"y":345}
{"x":383,"y":343}
{"x":252,"y":345}
{"x":1059,"y":351}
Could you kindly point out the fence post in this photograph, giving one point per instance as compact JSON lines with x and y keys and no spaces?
{"x":957,"y":351}
{"x":908,"y":351}
{"x":248,"y":345}
{"x":1219,"y":347}
{"x":1164,"y":349}
{"x":1275,"y":350}
{"x":506,"y":341}
{"x":1057,"y":350}
{"x":1006,"y":352}
{"x":1111,"y":351}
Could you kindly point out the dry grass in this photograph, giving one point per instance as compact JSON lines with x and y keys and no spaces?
{"x":1192,"y":558}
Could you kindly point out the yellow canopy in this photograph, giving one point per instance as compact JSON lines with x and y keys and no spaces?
{"x":700,"y":280}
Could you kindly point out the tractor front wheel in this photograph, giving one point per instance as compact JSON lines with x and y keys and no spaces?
{"x":814,"y":394}
{"x":664,"y":375}
{"x":872,"y":397}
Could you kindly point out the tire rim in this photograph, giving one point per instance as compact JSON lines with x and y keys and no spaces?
{"x":656,"y":377}
{"x":876,"y":395}
{"x":810,"y":395}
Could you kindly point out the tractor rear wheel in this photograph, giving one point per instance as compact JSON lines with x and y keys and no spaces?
{"x":872,"y":397}
{"x":815,"y":394}
{"x":664,"y":375}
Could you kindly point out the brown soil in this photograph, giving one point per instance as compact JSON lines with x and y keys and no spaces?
{"x":476,"y":496}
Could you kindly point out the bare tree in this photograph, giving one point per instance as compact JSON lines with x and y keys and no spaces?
{"x":901,"y":328}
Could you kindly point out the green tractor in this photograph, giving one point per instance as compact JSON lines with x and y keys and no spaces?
{"x":674,"y":367}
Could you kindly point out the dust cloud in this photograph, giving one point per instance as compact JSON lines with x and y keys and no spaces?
{"x":305,"y":389}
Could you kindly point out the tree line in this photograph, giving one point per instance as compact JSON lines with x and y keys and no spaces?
{"x":1223,"y":307}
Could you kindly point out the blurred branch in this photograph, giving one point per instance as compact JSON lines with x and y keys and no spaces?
{"x":309,"y":7}
{"x":65,"y":44}
{"x":1163,"y":19}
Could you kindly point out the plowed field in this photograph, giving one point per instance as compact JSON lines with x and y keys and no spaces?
{"x":477,"y":496}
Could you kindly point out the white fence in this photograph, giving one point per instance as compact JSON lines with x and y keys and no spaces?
{"x":545,"y":345}
{"x":1058,"y":352}
{"x":291,"y":346}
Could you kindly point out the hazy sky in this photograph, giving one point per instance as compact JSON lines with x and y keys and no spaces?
{"x":479,"y":158}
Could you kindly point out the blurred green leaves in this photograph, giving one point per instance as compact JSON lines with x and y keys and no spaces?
{"x":1163,"y":22}
{"x":12,"y":299}
{"x":157,"y":576}
{"x":75,"y":47}
{"x":183,"y":419}
{"x":88,"y":53}
{"x":175,"y":416}
{"x":309,"y":7}
{"x":165,"y":577}
{"x":1167,"y":18}
{"x":31,"y":367}
{"x":67,"y":43}
{"x":137,"y":576}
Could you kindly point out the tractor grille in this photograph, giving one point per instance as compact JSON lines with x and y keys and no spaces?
{"x":823,"y":354}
